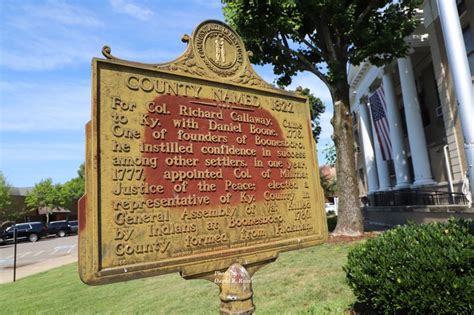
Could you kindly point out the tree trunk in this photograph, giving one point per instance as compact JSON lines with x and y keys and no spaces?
{"x":349,"y":219}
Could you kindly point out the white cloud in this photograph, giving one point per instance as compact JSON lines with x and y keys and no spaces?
{"x":149,"y":55}
{"x":53,"y":105}
{"x":128,"y":7}
{"x":47,"y":36}
{"x":319,"y":89}
{"x":64,"y":13}
{"x":27,"y":162}
{"x":42,"y":151}
{"x":212,"y":4}
{"x":46,"y":54}
{"x":55,"y":35}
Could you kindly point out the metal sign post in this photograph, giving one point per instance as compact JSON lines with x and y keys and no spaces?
{"x":14,"y":255}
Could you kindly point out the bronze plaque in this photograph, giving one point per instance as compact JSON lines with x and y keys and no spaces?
{"x":194,"y":165}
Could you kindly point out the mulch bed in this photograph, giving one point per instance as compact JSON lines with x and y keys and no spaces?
{"x":348,"y":239}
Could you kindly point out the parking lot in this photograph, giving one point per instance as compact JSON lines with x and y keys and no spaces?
{"x":35,"y":257}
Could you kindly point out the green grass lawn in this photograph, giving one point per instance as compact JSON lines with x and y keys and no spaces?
{"x":299,"y":282}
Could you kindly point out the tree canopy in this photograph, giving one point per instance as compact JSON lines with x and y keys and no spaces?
{"x":73,"y":189}
{"x":47,"y":194}
{"x":324,"y":37}
{"x":5,"y":199}
{"x":329,"y":153}
{"x":44,"y":194}
{"x":6,"y":212}
{"x":329,"y":185}
{"x":316,"y":108}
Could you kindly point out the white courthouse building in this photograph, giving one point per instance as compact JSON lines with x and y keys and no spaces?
{"x":414,"y":121}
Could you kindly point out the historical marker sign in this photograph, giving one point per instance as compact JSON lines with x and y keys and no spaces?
{"x":195,"y":164}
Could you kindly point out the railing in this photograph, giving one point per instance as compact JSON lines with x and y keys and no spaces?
{"x":416,"y":198}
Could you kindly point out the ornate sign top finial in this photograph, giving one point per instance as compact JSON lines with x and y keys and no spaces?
{"x":214,"y":51}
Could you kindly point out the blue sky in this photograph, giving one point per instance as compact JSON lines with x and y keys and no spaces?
{"x":46,"y":49}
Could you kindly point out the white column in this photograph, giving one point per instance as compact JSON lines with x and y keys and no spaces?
{"x":368,"y":150}
{"x":382,"y":166}
{"x":459,"y":67}
{"x":396,"y":133}
{"x":416,"y":132}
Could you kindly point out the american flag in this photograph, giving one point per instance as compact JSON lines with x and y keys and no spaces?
{"x":378,"y":108}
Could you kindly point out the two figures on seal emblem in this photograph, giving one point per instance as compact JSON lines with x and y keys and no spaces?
{"x":220,"y":52}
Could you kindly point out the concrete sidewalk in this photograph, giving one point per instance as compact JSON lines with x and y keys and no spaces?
{"x":6,"y":274}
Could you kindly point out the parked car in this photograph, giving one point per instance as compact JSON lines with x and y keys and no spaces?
{"x":59,"y":228}
{"x":31,"y":231}
{"x":330,"y":208}
{"x":73,"y":225}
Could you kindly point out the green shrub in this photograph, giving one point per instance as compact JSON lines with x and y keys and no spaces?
{"x":415,"y":269}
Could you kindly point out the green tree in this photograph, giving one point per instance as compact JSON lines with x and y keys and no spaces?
{"x":49,"y":195}
{"x":73,"y":189}
{"x":5,"y":198}
{"x":323,"y":37}
{"x":44,"y":194}
{"x":6,"y":213}
{"x":81,"y":171}
{"x":329,"y":185}
{"x":329,"y":152}
{"x":316,"y":108}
